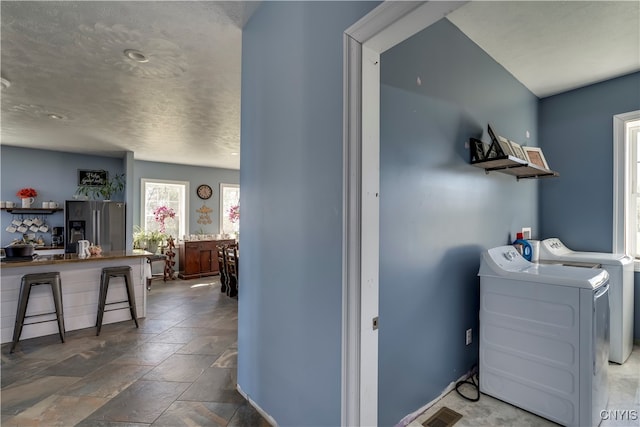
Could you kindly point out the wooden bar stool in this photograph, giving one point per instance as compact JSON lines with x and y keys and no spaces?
{"x":107,"y":274}
{"x":29,"y":281}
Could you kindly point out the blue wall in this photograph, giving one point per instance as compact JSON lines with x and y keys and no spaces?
{"x":436,"y":211}
{"x":53,"y":174}
{"x":289,"y":333}
{"x":195,"y":175}
{"x":576,"y":133}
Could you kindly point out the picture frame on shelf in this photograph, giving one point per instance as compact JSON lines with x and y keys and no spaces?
{"x":518,"y":151}
{"x":477,"y":150}
{"x":501,"y":143}
{"x":536,"y":157}
{"x":506,"y":146}
{"x":493,"y":151}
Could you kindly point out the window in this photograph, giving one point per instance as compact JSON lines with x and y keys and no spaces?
{"x":229,"y":199}
{"x":626,"y":218}
{"x":172,"y":194}
{"x":632,"y":215}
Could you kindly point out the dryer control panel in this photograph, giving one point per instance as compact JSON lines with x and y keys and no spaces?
{"x":554,"y":246}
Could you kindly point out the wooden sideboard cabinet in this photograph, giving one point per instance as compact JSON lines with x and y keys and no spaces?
{"x":199,"y":258}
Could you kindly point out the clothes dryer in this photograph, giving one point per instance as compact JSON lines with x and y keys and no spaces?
{"x":620,"y":269}
{"x":544,"y":337}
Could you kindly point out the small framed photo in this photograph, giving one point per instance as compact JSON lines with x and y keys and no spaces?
{"x":535,"y":157}
{"x":506,"y":146}
{"x":518,"y":151}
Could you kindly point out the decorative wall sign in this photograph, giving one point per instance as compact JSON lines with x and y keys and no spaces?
{"x":204,"y":212}
{"x":94,"y":178}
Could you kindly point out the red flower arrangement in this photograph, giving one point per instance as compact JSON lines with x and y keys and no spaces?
{"x":25,"y":193}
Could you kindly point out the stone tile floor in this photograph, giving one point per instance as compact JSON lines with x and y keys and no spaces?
{"x":624,"y":388}
{"x":177,"y":369}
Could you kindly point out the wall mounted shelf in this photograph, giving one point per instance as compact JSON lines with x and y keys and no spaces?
{"x":36,"y":211}
{"x":495,"y":158}
{"x":514,"y":166}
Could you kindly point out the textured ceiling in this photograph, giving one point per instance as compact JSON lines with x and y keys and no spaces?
{"x":67,"y":59}
{"x":183,"y":105}
{"x":555,"y":46}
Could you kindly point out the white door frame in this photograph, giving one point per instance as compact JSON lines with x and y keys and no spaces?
{"x":385,"y":26}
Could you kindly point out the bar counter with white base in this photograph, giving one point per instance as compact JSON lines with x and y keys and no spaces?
{"x":80,"y":279}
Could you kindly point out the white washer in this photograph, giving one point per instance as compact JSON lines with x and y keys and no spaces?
{"x":620,"y":269}
{"x":544,"y":333}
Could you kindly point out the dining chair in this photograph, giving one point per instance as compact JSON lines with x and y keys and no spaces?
{"x":222,"y":267}
{"x":231,"y":260}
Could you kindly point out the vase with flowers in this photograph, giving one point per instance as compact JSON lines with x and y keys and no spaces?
{"x":234,"y":217}
{"x":161,"y":214}
{"x":234,"y":214}
{"x":28,"y":196}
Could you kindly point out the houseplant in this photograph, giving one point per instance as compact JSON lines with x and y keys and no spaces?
{"x":147,"y":239}
{"x":106,"y":190}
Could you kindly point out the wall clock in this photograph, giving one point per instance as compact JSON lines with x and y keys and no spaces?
{"x":204,"y":191}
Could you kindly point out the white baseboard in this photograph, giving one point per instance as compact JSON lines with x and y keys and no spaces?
{"x":412,"y":416}
{"x":257,"y":407}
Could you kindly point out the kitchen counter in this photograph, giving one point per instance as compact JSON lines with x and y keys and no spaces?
{"x":80,"y":279}
{"x":73,"y":258}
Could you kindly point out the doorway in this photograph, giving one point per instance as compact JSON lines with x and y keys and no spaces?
{"x":364,"y":42}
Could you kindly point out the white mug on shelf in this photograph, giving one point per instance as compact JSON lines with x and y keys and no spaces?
{"x":27,"y":202}
{"x":53,"y":205}
{"x":45,"y":205}
{"x":11,"y":204}
{"x":3,"y":204}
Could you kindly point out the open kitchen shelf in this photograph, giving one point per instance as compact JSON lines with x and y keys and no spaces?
{"x":31,"y":210}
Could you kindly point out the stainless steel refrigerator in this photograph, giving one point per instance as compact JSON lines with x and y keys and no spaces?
{"x":101,"y":223}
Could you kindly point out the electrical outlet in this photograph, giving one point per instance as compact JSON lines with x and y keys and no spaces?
{"x":468,"y":336}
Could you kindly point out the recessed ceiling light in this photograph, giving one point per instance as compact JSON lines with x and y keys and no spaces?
{"x":135,"y":55}
{"x":234,"y":154}
{"x":4,"y":83}
{"x":56,"y":116}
